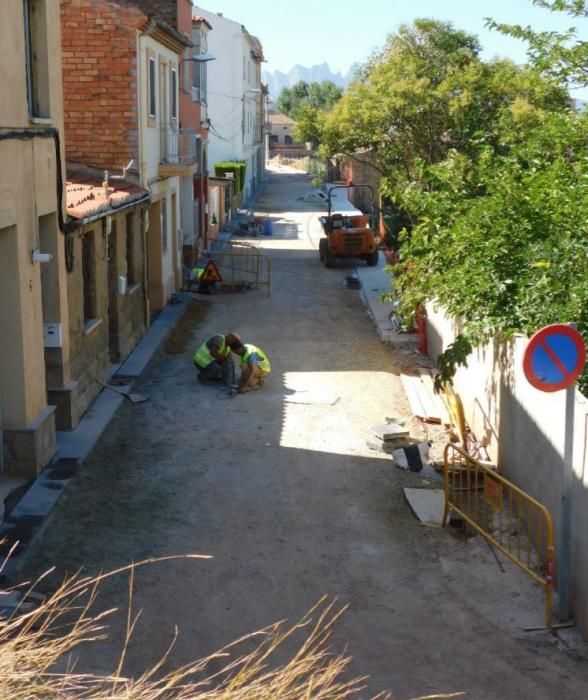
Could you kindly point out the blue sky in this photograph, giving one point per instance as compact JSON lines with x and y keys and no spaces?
{"x":341,"y":32}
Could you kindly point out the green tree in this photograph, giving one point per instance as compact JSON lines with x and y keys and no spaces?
{"x":320,"y":96}
{"x":488,"y":167}
{"x":563,"y":56}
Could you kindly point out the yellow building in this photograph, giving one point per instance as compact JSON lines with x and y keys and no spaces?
{"x":33,"y":299}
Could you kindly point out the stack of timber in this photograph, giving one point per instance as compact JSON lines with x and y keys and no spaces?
{"x":425,"y":404}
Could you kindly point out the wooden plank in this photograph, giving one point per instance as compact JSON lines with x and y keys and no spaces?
{"x":422,"y":405}
{"x":427,"y":377}
{"x":414,"y":398}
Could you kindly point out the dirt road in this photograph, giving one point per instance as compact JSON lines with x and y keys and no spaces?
{"x":281,"y":489}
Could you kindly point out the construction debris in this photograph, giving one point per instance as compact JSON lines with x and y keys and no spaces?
{"x":424,"y":403}
{"x":413,"y":457}
{"x":390,"y":431}
{"x":428,"y":505}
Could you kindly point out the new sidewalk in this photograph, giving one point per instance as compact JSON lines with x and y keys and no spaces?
{"x":30,"y":514}
{"x":375,"y":282}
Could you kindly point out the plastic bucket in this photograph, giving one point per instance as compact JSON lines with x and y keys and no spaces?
{"x":268,"y":227}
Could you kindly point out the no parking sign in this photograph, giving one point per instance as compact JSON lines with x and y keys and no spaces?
{"x":554,"y":357}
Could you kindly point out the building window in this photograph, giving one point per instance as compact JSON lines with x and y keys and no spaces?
{"x":89,"y":277}
{"x":274,"y":139}
{"x":200,"y":82}
{"x":152,"y":89}
{"x":164,"y":236}
{"x":174,"y":95}
{"x":36,"y":57}
{"x":130,"y":234}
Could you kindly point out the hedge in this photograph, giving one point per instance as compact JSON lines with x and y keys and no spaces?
{"x":235,"y":167}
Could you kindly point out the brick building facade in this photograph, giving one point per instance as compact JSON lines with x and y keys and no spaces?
{"x":99,"y":40}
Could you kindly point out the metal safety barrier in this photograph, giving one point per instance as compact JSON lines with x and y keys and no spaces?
{"x":242,"y":266}
{"x":511,"y":520}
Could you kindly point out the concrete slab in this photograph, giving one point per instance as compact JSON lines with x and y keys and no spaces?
{"x":390,"y":431}
{"x":427,"y":504}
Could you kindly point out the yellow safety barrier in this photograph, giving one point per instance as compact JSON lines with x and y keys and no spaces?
{"x":516,"y":524}
{"x":241,"y":265}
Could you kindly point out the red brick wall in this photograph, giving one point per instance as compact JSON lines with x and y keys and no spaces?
{"x":99,"y":50}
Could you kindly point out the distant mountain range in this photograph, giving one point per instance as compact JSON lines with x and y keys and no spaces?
{"x":277,"y":80}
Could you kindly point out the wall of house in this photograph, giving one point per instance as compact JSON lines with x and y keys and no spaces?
{"x":90,"y":352}
{"x":99,"y":40}
{"x":167,"y":279}
{"x":525,"y":430}
{"x":232,"y":74}
{"x":28,"y":219}
{"x":129,"y":308}
{"x":360,"y":170}
{"x":118,"y":321}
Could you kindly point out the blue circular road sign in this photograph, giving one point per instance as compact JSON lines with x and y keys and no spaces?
{"x":554,"y":357}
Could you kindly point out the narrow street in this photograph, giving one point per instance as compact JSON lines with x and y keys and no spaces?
{"x":281,"y":489}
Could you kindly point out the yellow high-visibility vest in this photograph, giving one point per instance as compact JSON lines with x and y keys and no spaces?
{"x":264,"y":363}
{"x":202,"y":356}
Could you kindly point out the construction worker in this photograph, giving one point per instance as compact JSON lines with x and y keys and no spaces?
{"x":254,"y":364}
{"x":213,"y":359}
{"x":195,"y":275}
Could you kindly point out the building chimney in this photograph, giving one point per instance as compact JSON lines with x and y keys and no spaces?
{"x":220,"y":14}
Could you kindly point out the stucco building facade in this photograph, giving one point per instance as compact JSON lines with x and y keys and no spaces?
{"x":236,"y":97}
{"x":32,"y":293}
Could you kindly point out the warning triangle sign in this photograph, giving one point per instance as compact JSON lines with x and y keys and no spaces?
{"x":211,"y":273}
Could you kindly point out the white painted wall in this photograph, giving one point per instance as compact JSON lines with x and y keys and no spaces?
{"x":150,"y":147}
{"x":231,"y":109}
{"x":526,"y":432}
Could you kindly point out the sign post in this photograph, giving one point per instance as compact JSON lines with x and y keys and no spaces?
{"x":553,"y":360}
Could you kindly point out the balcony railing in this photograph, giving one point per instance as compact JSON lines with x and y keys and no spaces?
{"x":178,"y":146}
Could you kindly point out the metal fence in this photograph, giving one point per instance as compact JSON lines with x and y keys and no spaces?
{"x":241,"y":265}
{"x":511,"y":520}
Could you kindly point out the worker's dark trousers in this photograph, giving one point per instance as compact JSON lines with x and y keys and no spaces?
{"x":218,"y":371}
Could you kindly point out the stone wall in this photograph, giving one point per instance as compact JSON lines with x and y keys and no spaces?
{"x":119,"y":320}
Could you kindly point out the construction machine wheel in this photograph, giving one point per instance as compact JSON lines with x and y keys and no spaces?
{"x":372,"y":258}
{"x":323,"y":245}
{"x":329,"y":258}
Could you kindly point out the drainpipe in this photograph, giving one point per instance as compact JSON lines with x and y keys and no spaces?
{"x":144,"y":229}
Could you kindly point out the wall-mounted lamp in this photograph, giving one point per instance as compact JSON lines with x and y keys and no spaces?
{"x":199,"y":58}
{"x":38,"y":257}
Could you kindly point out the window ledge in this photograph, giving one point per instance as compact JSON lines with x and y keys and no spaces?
{"x":42,"y":121}
{"x":91,"y":325}
{"x":132,"y":288}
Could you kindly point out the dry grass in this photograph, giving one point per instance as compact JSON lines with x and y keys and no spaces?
{"x":34,"y":644}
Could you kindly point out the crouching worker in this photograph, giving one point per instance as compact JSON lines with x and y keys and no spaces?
{"x":213,"y":359}
{"x":254,"y":366}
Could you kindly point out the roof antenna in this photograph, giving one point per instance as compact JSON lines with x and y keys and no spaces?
{"x":124,"y":172}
